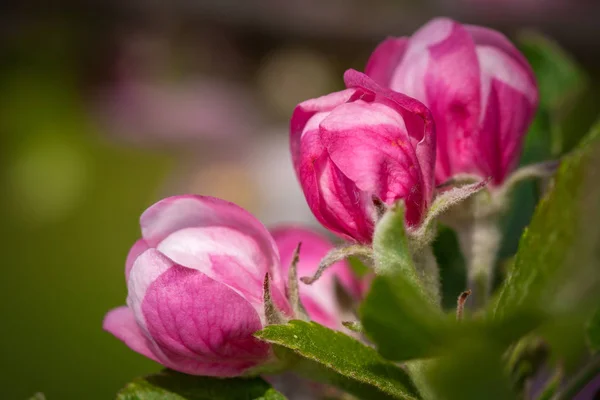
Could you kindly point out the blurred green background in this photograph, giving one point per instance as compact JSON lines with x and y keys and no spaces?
{"x":99,"y":117}
{"x":70,"y":203}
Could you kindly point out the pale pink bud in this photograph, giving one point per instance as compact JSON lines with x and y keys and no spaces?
{"x":195,"y":283}
{"x":319,"y":299}
{"x":362,"y":143}
{"x":479,"y":87}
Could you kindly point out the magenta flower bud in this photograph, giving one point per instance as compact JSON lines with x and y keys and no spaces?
{"x":362,"y":143}
{"x":479,"y":87}
{"x":319,"y":299}
{"x":195,"y":283}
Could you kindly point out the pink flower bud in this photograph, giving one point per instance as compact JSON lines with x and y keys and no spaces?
{"x":362,"y":143}
{"x":195,"y":283}
{"x":480,"y":89}
{"x":319,"y":299}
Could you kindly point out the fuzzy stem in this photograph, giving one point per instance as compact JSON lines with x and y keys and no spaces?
{"x":429,"y":272}
{"x":417,"y":371}
{"x":479,"y":242}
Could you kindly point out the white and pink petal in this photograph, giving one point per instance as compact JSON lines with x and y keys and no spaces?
{"x":179,"y":212}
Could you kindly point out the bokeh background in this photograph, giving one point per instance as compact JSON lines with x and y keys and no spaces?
{"x":105,"y":107}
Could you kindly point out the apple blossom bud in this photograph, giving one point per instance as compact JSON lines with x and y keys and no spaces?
{"x":362,"y":143}
{"x":195,"y":283}
{"x":479,"y":87}
{"x":319,"y":299}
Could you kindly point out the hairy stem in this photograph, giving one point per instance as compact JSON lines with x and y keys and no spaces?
{"x":479,"y":241}
{"x":429,"y":272}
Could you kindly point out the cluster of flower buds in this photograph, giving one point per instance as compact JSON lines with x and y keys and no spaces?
{"x":452,"y":100}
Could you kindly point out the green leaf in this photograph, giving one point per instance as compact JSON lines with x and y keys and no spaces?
{"x":170,"y":385}
{"x":400,"y":320}
{"x":555,"y":129}
{"x":593,"y":331}
{"x":559,"y":76}
{"x":555,"y":269}
{"x":390,"y":245}
{"x":332,"y":357}
{"x":398,"y":316}
{"x":563,"y":116}
{"x":561,"y":82}
{"x":470,"y":370}
{"x":411,"y":258}
{"x":560,"y":242}
{"x":405,"y":327}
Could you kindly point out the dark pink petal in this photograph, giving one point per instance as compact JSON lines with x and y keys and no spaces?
{"x":368,"y":142}
{"x":453,"y":87}
{"x":333,"y":198}
{"x":319,"y":299}
{"x":311,"y":157}
{"x":419,"y":124}
{"x":307,"y":110}
{"x":121,"y":323}
{"x":509,"y":99}
{"x":508,"y":114}
{"x":138,"y":248}
{"x":179,"y":212}
{"x":202,"y":326}
{"x":343,"y":208}
{"x":385,"y":59}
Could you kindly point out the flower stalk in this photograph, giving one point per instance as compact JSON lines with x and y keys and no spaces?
{"x":479,"y":241}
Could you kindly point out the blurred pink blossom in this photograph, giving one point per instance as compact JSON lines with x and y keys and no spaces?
{"x":319,"y":299}
{"x":479,"y":87}
{"x":190,"y":112}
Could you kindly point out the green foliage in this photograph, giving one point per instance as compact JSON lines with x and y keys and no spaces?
{"x":405,"y":327}
{"x":332,"y":357}
{"x":400,"y":320}
{"x":560,"y":243}
{"x":561,"y":82}
{"x":170,"y":385}
{"x":593,"y":331}
{"x":555,"y":274}
{"x":451,"y":264}
{"x":558,"y":75}
{"x":471,"y":369}
{"x":390,"y":245}
{"x":556,"y":127}
{"x":409,"y":258}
